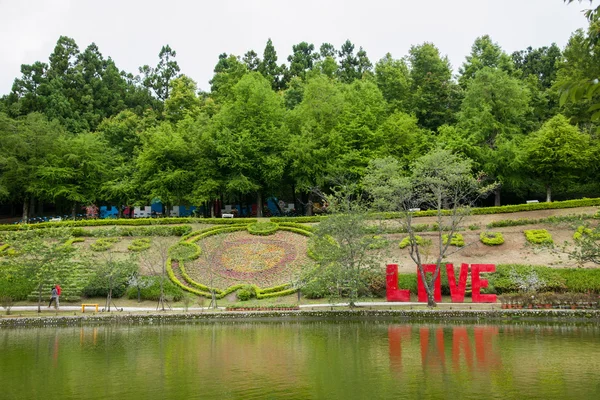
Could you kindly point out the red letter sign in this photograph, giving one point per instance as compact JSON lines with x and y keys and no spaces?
{"x":478,"y":283}
{"x":392,"y":291}
{"x":457,"y":293}
{"x":437,"y":292}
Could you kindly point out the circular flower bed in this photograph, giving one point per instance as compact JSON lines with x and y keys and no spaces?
{"x":233,"y":258}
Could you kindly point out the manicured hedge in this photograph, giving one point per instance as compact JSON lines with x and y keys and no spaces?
{"x":263,"y":228}
{"x":491,"y":238}
{"x":297,"y":226}
{"x":185,"y":251}
{"x":538,"y":236}
{"x":299,"y":220}
{"x":126,"y":221}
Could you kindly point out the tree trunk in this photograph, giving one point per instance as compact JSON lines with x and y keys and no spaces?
{"x":497,"y":201}
{"x":40,"y":298}
{"x":74,"y":211}
{"x":40,"y":208}
{"x":309,"y":209}
{"x":294,"y":197}
{"x":259,"y":211}
{"x":431,"y":299}
{"x":548,"y":194}
{"x":24,"y":218}
{"x":32,"y":207}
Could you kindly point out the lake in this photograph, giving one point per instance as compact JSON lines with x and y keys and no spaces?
{"x":359,"y":359}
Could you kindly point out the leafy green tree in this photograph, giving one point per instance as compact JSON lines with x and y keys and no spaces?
{"x":315,"y":143}
{"x":301,"y":60}
{"x":46,"y":261}
{"x":393,"y":79}
{"x":557,"y":154}
{"x":251,"y":60}
{"x":434,"y":99}
{"x":493,"y":114}
{"x":484,"y":53}
{"x":578,"y":77}
{"x":352,"y":66}
{"x":540,"y":62}
{"x":327,"y":50}
{"x":248,"y":133}
{"x":27,"y":146}
{"x":76,"y":172}
{"x":165,"y":166}
{"x":269,"y":69}
{"x":341,"y":246}
{"x":182,"y":101}
{"x":158,"y":79}
{"x":228,"y":72}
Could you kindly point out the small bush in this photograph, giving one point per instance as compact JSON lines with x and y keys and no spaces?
{"x":103,"y":244}
{"x":139,"y":244}
{"x":491,"y":238}
{"x":246,"y":293}
{"x":316,"y":289}
{"x":538,"y":236}
{"x":419,"y":240}
{"x":457,"y":240}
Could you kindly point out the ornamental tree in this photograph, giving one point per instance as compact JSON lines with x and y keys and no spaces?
{"x":439,"y":181}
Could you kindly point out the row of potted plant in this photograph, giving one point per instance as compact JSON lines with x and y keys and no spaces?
{"x":550,"y":300}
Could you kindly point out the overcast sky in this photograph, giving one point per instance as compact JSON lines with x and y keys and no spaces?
{"x":132,"y":32}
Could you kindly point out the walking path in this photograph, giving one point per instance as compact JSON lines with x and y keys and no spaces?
{"x":477,"y":306}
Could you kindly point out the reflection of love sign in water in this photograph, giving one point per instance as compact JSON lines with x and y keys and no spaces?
{"x":248,"y":258}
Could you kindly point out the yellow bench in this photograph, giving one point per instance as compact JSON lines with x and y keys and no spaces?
{"x":83,"y":306}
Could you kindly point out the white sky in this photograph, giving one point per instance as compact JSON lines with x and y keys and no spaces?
{"x":132,"y":32}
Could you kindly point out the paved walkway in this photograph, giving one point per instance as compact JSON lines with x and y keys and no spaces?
{"x":46,"y":310}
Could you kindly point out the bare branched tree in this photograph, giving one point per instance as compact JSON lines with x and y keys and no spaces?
{"x":439,"y":181}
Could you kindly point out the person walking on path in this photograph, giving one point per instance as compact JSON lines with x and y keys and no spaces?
{"x":54,"y":297}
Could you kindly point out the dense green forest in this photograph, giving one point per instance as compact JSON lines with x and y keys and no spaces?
{"x":76,"y":130}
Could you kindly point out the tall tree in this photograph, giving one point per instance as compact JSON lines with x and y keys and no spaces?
{"x":301,"y":60}
{"x":558,"y":154}
{"x":249,"y":138}
{"x":484,"y":53}
{"x":268,"y":67}
{"x":251,"y":60}
{"x":493,"y":114}
{"x":27,"y":146}
{"x":182,"y":101}
{"x":159,"y":78}
{"x":228,"y":72}
{"x":393,"y":79}
{"x":434,"y":100}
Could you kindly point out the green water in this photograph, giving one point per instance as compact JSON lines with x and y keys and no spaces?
{"x":301,"y":360}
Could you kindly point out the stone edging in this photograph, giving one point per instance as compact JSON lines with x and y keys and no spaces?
{"x":413,"y":315}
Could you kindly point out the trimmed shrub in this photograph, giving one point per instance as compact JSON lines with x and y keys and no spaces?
{"x":263,"y":228}
{"x":538,"y":236}
{"x":103,"y":244}
{"x":246,"y":293}
{"x":457,"y":240}
{"x":139,"y":244}
{"x":298,"y":219}
{"x":491,"y":238}
{"x":420,"y":241}
{"x":14,"y":282}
